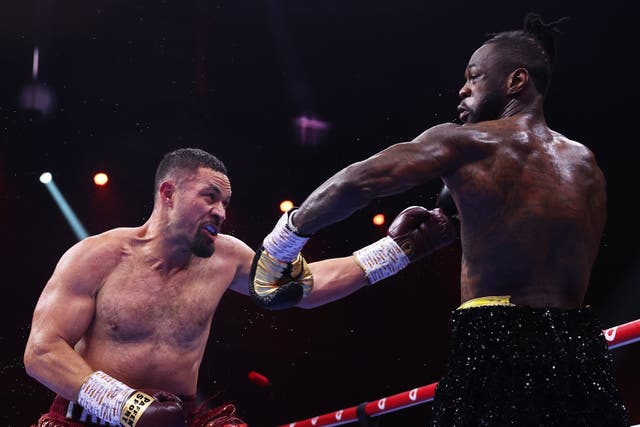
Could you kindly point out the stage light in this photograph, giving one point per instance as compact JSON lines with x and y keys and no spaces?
{"x":45,"y":178}
{"x":378,"y":219}
{"x":286,"y":205}
{"x":37,"y":96}
{"x":311,"y":130}
{"x":70,"y":216}
{"x":100,"y":178}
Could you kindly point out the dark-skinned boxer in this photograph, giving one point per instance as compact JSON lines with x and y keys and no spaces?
{"x":531,"y":205}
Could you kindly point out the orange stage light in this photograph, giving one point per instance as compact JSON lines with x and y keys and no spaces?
{"x":286,"y":205}
{"x":100,"y":178}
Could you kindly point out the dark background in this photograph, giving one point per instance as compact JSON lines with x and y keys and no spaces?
{"x":135,"y":79}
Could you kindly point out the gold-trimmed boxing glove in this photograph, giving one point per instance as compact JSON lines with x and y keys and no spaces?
{"x":280,"y":276}
{"x":277,"y":285}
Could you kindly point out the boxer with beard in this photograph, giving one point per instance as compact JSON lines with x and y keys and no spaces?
{"x":121,"y":327}
{"x":531,"y":205}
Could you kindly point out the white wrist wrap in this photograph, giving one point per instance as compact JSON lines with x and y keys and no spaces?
{"x":283,"y":243}
{"x":381,"y":259}
{"x":104,"y":396}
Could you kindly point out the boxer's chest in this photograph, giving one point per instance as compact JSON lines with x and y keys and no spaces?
{"x":136,"y":304}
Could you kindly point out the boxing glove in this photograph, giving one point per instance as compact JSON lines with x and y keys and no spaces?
{"x":280,"y":276}
{"x":277,"y":285}
{"x":116,"y":403}
{"x":414,"y":233}
{"x":153,"y":408}
{"x":419,"y":231}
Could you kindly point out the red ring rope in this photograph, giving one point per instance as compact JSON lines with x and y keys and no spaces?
{"x":616,"y":337}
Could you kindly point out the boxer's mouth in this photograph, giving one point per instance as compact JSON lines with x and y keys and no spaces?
{"x":211,"y":229}
{"x":463,"y":113}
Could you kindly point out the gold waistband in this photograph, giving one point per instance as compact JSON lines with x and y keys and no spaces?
{"x":487,"y":301}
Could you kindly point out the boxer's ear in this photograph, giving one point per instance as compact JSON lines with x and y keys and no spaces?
{"x":517,"y":81}
{"x":167,"y":190}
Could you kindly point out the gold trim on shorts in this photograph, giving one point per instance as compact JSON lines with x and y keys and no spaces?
{"x":487,"y":301}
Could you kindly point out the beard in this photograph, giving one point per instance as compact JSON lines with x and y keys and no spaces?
{"x":202,"y":246}
{"x":488,"y":108}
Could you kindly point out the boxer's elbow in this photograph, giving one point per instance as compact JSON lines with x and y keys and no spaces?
{"x":35,"y":355}
{"x":30,"y":359}
{"x":29,"y":364}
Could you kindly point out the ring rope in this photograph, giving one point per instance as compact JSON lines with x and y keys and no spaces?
{"x":616,"y":336}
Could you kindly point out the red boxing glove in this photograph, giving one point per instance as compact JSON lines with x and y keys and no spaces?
{"x":153,"y":408}
{"x":419,"y":231}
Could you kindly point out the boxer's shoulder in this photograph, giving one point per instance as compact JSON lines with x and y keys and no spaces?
{"x":231,"y":246}
{"x":101,"y":245}
{"x":114,"y":244}
{"x":103,"y":251}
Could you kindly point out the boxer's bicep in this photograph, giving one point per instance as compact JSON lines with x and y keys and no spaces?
{"x":67,"y":304}
{"x":62,"y":316}
{"x":405,"y":165}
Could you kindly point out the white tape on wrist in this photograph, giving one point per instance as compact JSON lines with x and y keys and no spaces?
{"x":381,"y":259}
{"x":283,"y":243}
{"x":104,"y":396}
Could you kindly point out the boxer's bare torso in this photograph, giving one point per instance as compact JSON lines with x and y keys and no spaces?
{"x":150,"y":327}
{"x":532,"y":212}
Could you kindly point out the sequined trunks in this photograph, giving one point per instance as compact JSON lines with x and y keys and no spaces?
{"x":524,"y":366}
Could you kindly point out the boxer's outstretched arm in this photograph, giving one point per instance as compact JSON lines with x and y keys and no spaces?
{"x":332,"y":278}
{"x":414,"y":233}
{"x":434,"y":153}
{"x":61,"y":317}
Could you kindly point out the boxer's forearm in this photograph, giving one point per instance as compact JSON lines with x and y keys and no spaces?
{"x":389,"y":172}
{"x":333,"y":279}
{"x":57,"y":366}
{"x":336,"y":199}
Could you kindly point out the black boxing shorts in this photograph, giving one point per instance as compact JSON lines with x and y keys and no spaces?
{"x":524,"y":366}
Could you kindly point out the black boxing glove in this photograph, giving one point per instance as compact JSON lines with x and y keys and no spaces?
{"x":116,"y":403}
{"x":419,"y":231}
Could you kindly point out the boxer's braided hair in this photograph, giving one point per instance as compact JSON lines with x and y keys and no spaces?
{"x":533,"y":47}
